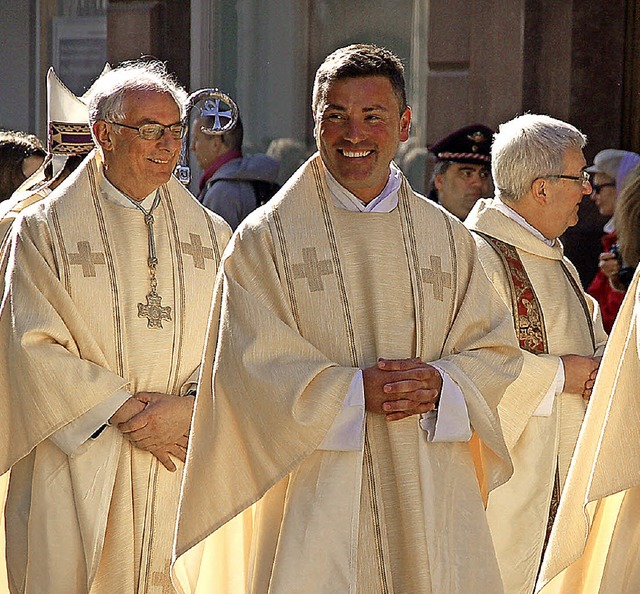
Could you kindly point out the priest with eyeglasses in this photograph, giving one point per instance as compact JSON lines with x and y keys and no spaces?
{"x":108,"y":288}
{"x":539,"y":171}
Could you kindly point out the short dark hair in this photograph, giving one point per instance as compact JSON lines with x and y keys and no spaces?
{"x":15,"y":147}
{"x":439,"y":168}
{"x":360,"y":60}
{"x":233,"y":138}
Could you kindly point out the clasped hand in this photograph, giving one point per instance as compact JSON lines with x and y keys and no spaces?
{"x":158,"y":423}
{"x":399,"y":388}
{"x":580,"y":374}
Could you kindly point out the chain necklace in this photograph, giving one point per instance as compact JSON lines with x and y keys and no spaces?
{"x":153,"y":310}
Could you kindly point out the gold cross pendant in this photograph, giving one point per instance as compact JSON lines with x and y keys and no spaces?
{"x":154,"y":311}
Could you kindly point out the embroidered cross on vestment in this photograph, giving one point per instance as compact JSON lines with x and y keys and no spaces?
{"x":312,"y":269}
{"x":436,"y":277}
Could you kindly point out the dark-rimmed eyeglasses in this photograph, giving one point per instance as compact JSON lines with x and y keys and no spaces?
{"x":155,"y":131}
{"x":597,"y":188}
{"x":584,"y":178}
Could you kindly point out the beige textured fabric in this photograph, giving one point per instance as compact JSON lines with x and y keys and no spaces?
{"x":15,"y":205}
{"x":12,"y":208}
{"x":308,"y":294}
{"x":9,"y":211}
{"x":595,"y":542}
{"x":518,"y":511}
{"x":4,"y":579}
{"x":71,"y":336}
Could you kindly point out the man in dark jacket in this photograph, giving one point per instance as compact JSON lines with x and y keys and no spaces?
{"x":232,"y":184}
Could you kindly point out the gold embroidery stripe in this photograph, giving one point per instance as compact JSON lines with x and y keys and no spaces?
{"x":287,"y":268}
{"x":65,"y":272}
{"x":376,"y":513}
{"x":324,"y":203}
{"x":150,"y":517}
{"x":583,"y":302}
{"x":411,"y":246}
{"x":117,"y":320}
{"x":454,"y":274}
{"x":505,"y":264}
{"x":214,"y":239}
{"x":173,"y":386}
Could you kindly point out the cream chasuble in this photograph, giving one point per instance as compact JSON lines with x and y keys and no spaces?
{"x":309,"y":293}
{"x":9,"y":211}
{"x":570,"y":322}
{"x":13,"y":207}
{"x":595,"y":542}
{"x":102,"y":519}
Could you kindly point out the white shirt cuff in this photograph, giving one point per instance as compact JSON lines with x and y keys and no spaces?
{"x":75,"y":433}
{"x":545,"y":407}
{"x":450,"y":421}
{"x":347,"y":432}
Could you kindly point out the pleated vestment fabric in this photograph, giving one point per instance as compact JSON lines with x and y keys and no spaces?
{"x":102,"y":519}
{"x":308,"y":294}
{"x":9,"y":210}
{"x":595,"y":542}
{"x":14,"y":206}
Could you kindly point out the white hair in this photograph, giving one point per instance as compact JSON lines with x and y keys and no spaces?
{"x":528,"y":147}
{"x":107,"y":94}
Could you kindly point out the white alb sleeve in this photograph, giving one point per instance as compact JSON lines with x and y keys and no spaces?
{"x":450,"y":421}
{"x":347,"y":432}
{"x":545,"y":407}
{"x":75,"y":433}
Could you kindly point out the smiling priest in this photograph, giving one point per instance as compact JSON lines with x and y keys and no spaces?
{"x":359,"y":348}
{"x":108,"y":291}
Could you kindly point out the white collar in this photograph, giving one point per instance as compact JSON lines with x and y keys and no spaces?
{"x":518,"y":218}
{"x":118,"y":197}
{"x":386,"y":201}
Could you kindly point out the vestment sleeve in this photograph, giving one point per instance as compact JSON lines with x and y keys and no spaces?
{"x":51,"y":368}
{"x":481,"y":355}
{"x":269,"y":391}
{"x":75,"y":433}
{"x":450,"y":422}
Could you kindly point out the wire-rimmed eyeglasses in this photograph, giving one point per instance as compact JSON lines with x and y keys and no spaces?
{"x":155,"y":131}
{"x":584,"y":178}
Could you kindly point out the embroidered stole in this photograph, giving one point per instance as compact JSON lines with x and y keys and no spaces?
{"x":529,"y":324}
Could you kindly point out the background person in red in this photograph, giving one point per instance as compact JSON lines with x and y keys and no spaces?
{"x":609,"y":172}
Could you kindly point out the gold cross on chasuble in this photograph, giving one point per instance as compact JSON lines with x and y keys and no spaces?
{"x":86,"y":258}
{"x":197,"y":251}
{"x":434,"y":276}
{"x":154,"y":311}
{"x":312,"y":269}
{"x":162,"y":579}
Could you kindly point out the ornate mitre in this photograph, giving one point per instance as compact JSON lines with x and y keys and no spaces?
{"x":68,"y":131}
{"x":68,"y":122}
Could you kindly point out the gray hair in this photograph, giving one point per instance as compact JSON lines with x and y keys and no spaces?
{"x":107,"y":94}
{"x":440,"y":168}
{"x":528,"y":147}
